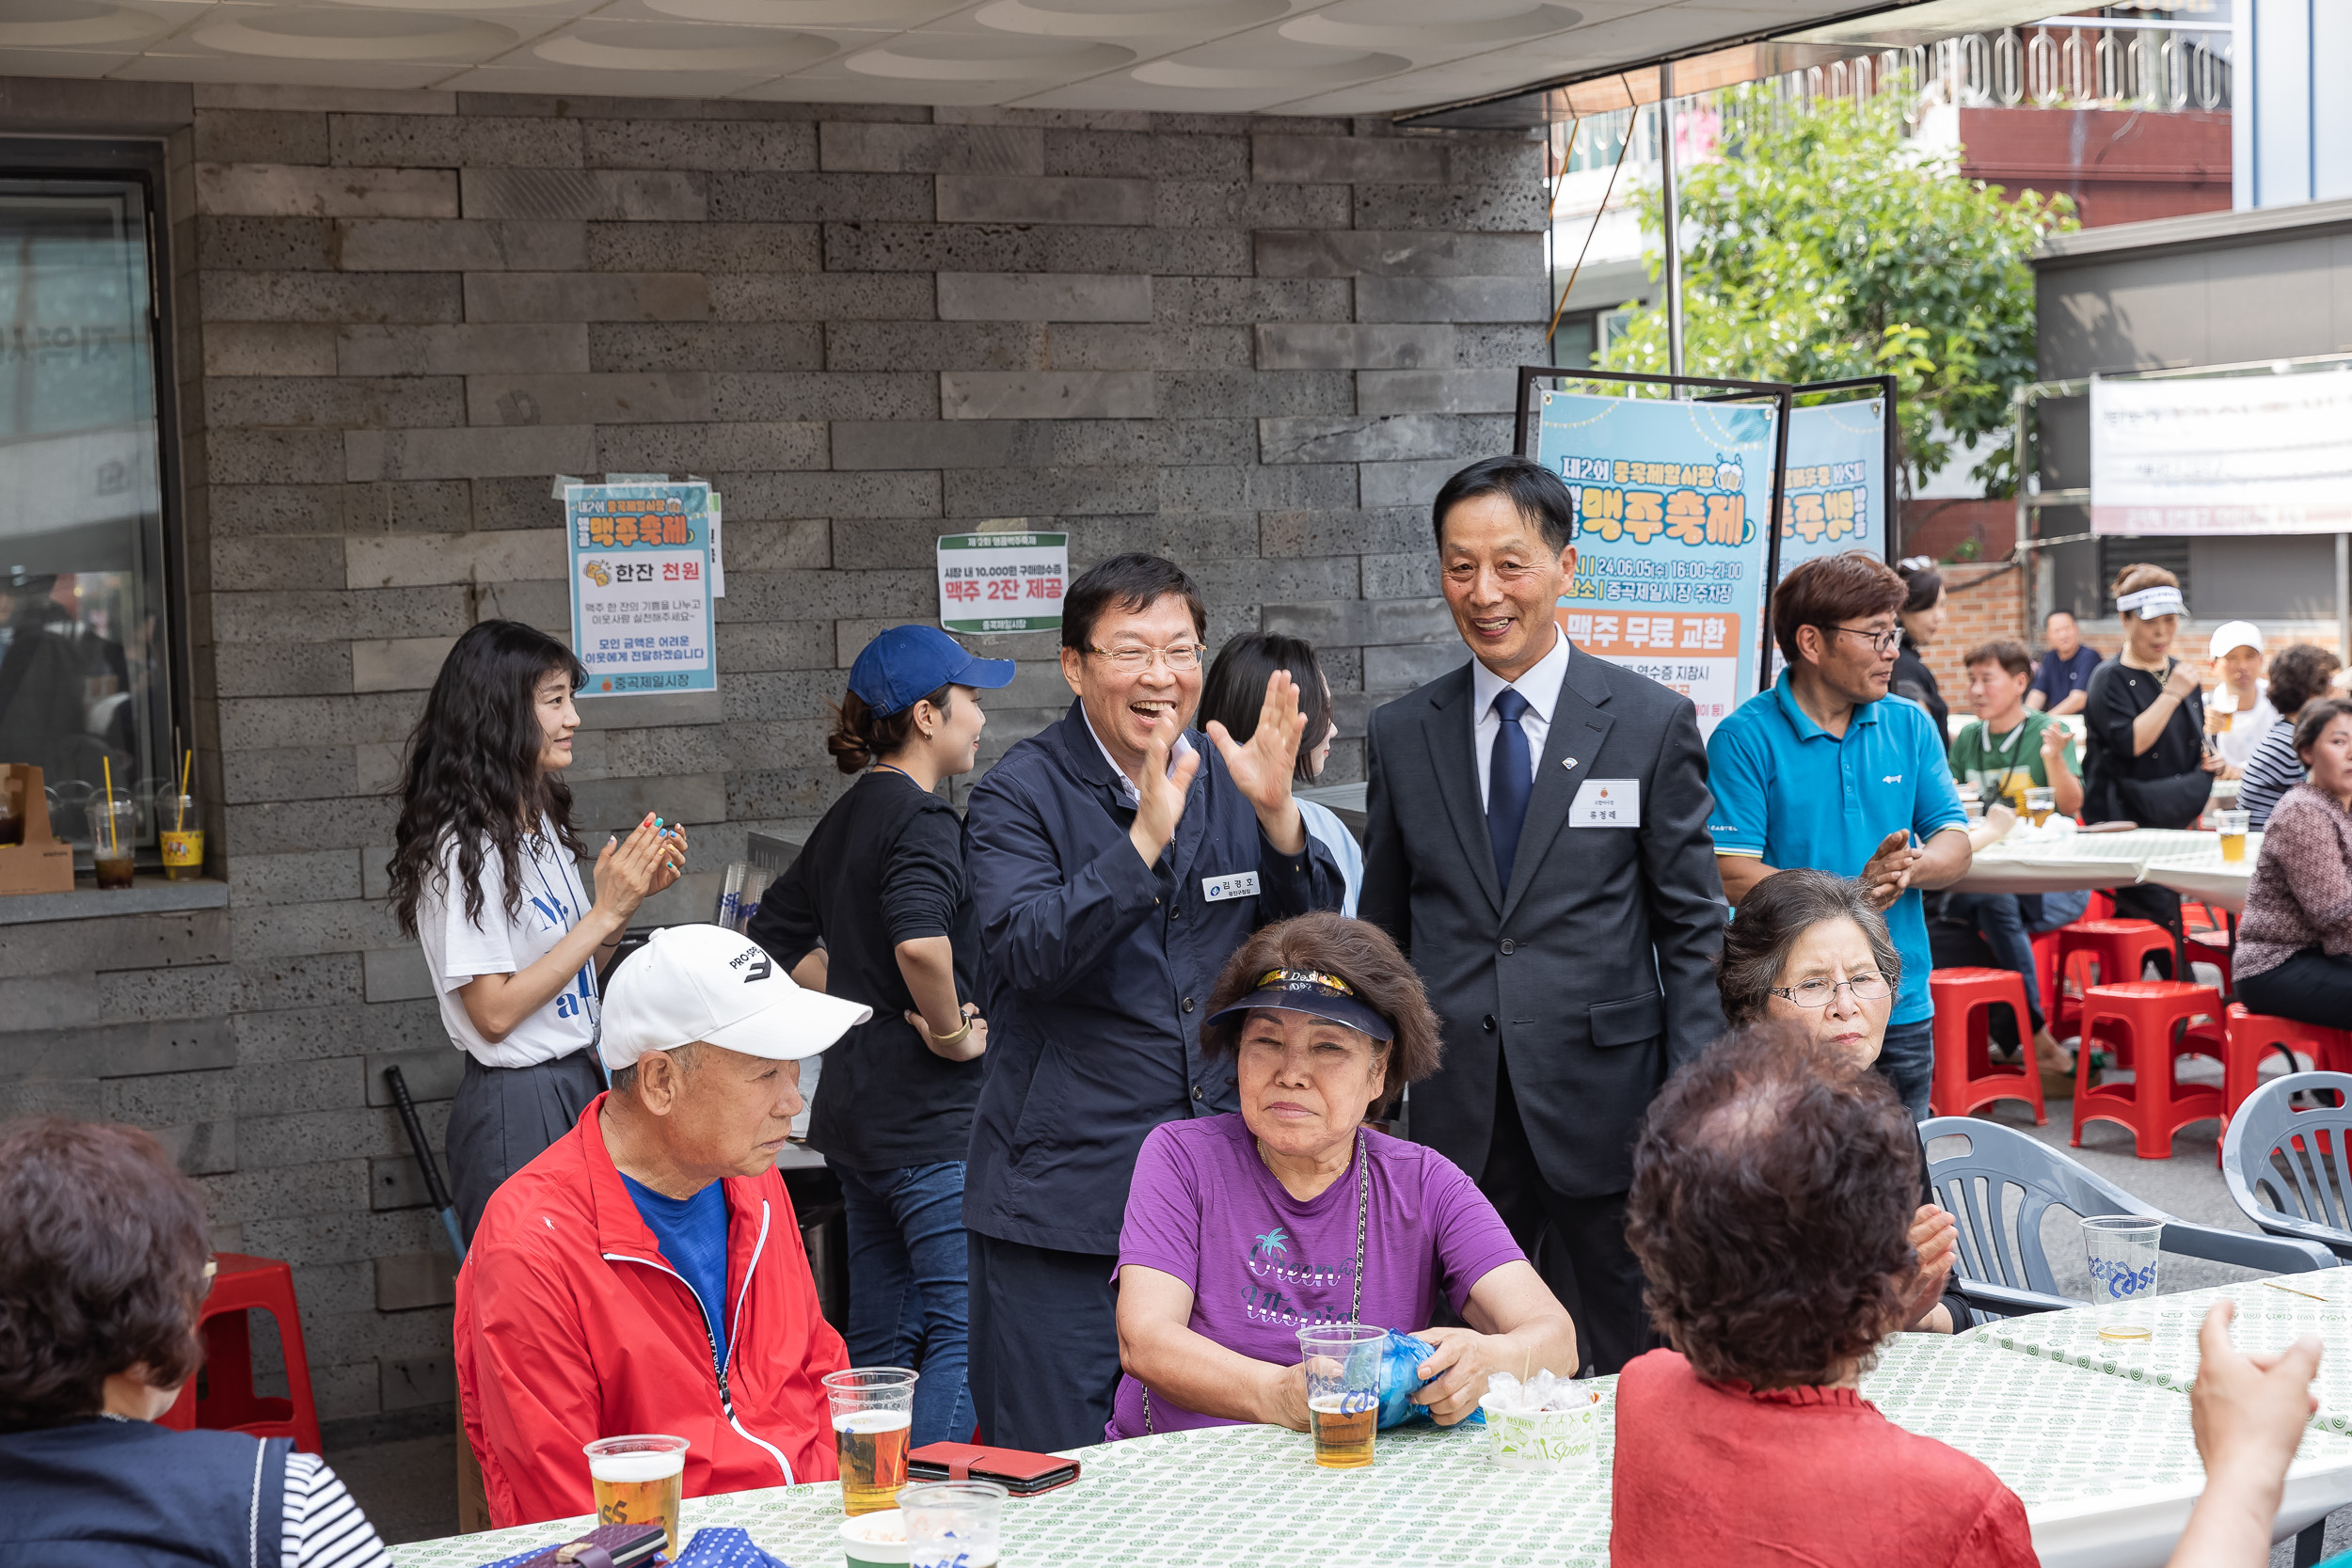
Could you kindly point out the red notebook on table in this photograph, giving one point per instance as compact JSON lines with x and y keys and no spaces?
{"x":1017,"y":1470}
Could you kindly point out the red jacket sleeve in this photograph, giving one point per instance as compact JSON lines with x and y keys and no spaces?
{"x":1999,"y":1537}
{"x":528,"y":1387}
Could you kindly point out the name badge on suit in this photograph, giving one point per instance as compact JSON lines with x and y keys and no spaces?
{"x":1607,"y":803}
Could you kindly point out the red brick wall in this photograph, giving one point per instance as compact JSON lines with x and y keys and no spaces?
{"x":1982,"y":600}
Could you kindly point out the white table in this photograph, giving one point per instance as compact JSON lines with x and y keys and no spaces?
{"x":2187,"y":861}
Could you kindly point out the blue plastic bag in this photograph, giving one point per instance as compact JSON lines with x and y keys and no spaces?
{"x":1400,"y":1379}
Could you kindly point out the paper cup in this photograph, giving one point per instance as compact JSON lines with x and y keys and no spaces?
{"x":1542,"y":1440}
{"x":877,"y":1540}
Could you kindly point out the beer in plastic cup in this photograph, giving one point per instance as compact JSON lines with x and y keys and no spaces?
{"x":2040,"y":803}
{"x":1342,"y":1362}
{"x":2124,"y":1250}
{"x":2231,"y":825}
{"x":639,"y":1480}
{"x":873,"y":1418}
{"x":952,"y":1524}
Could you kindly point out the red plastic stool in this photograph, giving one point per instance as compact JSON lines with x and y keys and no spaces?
{"x":2212,"y":946}
{"x":2046,"y":977}
{"x":2102,"y":904}
{"x":2121,"y":948}
{"x":1965,"y":1074}
{"x":228,"y":1402}
{"x":2253,"y":1036}
{"x":2136,"y":1020}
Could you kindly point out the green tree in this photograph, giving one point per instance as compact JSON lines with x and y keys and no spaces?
{"x":1822,"y":243}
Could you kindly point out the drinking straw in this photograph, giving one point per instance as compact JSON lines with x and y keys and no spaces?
{"x":107,"y":763}
{"x":179,"y":820}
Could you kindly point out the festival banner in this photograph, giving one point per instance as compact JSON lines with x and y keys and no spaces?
{"x":640,"y":586}
{"x":2212,"y":455}
{"x":1671,"y":554}
{"x":1010,"y":580}
{"x":1834,"y":496}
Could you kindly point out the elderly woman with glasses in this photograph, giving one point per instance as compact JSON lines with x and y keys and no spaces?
{"x":1808,"y":952}
{"x":1243,"y":1229}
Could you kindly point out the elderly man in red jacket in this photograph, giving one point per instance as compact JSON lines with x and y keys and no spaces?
{"x":646,"y":1273}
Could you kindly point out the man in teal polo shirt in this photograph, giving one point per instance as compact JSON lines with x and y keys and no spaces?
{"x":1826,"y":771}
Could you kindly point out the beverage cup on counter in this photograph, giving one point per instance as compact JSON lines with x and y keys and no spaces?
{"x":952,"y":1524}
{"x":114,"y":828}
{"x":873,"y":1417}
{"x":1342,"y":1362}
{"x":180,"y":835}
{"x":2124,"y":1251}
{"x":2231,"y":826}
{"x":639,"y":1480}
{"x":2039,"y":804}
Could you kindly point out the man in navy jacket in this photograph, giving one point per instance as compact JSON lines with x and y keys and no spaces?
{"x":1115,"y":861}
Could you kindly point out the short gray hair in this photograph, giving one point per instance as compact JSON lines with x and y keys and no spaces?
{"x":624,"y":1080}
{"x":1778,"y":911}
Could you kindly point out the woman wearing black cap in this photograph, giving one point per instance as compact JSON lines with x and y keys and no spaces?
{"x":1241,"y":1229}
{"x":882,"y":882}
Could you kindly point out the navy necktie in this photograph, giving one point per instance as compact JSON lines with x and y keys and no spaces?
{"x":1510,"y":779}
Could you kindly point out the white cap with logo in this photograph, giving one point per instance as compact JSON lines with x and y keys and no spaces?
{"x":2236,"y":634}
{"x":707,"y":983}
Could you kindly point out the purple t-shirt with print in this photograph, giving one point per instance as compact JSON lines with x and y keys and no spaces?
{"x":1262,"y":1265}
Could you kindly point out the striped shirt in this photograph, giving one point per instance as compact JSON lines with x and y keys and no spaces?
{"x":324,"y":1526}
{"x":2270,"y":772}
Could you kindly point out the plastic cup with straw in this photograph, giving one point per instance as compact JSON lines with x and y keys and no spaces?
{"x":182,"y":846}
{"x":110,"y":848}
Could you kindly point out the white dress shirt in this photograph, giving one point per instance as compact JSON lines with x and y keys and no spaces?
{"x":1176,"y":753}
{"x":1540,"y":685}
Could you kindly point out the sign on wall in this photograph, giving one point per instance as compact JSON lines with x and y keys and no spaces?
{"x":641,"y":577}
{"x":1670,"y":503}
{"x":1834,"y":496}
{"x":2222,"y":455}
{"x":1012,"y":580}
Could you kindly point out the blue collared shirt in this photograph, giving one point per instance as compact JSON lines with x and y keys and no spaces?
{"x":1793,"y":794}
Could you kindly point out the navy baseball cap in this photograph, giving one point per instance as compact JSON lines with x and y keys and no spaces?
{"x":906,"y":664}
{"x":1309,"y":990}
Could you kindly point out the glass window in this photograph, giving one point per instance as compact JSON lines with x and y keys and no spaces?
{"x":85,"y":684}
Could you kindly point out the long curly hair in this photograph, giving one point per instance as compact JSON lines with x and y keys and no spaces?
{"x":1773,"y":1188}
{"x":472,"y":770}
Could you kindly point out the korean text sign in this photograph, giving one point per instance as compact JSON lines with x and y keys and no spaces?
{"x":999,"y":582}
{"x":1670,"y":499}
{"x":640,"y":586}
{"x":1833,"y":496}
{"x":2211,"y":455}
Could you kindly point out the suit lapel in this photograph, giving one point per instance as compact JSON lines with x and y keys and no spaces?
{"x":1578,"y":727}
{"x":1193,"y":827}
{"x":1450,"y":733}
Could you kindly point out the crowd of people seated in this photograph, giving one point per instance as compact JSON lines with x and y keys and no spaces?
{"x":1113,"y":1067}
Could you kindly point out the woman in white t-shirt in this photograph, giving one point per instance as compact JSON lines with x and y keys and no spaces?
{"x":486,"y":876}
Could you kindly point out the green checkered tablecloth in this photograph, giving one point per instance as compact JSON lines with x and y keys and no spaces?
{"x":2098,"y":1447}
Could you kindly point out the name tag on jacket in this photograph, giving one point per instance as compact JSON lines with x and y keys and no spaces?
{"x":1607,"y":803}
{"x":1234,"y":884}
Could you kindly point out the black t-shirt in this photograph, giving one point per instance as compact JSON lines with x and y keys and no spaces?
{"x":884,"y":867}
{"x":2117,"y":696}
{"x":1915,"y":680}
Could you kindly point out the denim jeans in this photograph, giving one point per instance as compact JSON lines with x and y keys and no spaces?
{"x":1908,"y":1059}
{"x":908,"y":1296}
{"x":1998,"y":920}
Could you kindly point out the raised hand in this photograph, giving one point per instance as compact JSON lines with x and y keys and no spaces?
{"x":1264,"y":766}
{"x":1935,"y":1238}
{"x":629,"y":871}
{"x":1887,"y":872}
{"x":1161,"y":802}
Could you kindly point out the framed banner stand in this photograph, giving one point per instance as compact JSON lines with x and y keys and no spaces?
{"x":1714,"y":389}
{"x":1885,"y":386}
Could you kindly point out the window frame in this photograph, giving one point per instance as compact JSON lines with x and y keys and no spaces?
{"x":144,"y":161}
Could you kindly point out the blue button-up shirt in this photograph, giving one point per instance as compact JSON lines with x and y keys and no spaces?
{"x":1793,"y":794}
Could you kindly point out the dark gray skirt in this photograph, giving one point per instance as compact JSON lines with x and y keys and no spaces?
{"x":506,"y":1116}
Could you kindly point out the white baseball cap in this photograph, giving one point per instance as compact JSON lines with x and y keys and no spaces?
{"x":694,"y":983}
{"x":2236,"y":634}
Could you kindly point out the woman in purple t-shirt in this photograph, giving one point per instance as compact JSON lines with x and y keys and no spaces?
{"x":1241,"y":1230}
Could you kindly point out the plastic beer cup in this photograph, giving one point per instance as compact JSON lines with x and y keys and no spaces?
{"x":952,"y":1524}
{"x":1342,"y":1362}
{"x":2231,"y":826}
{"x":2040,"y":803}
{"x":873,"y":1418}
{"x":2124,"y":1250}
{"x":639,"y":1480}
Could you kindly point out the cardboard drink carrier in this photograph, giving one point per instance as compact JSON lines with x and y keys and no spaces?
{"x":32,"y":859}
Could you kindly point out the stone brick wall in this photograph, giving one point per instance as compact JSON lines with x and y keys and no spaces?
{"x":1254,"y":345}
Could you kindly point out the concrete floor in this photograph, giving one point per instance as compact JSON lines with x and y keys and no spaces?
{"x":408,"y":1485}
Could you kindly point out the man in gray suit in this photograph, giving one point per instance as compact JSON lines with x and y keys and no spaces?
{"x":1536,"y":841}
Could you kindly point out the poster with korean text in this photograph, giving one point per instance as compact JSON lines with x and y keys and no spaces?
{"x":641,"y":574}
{"x":1003,"y":581}
{"x":1835,"y":495}
{"x":1670,"y":499}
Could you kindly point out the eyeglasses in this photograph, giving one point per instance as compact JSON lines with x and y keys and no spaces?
{"x":1135,"y":662}
{"x":1881,"y":641}
{"x":1868,"y":986}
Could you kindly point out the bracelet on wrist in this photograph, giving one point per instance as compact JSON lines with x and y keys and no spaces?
{"x":956,"y":1038}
